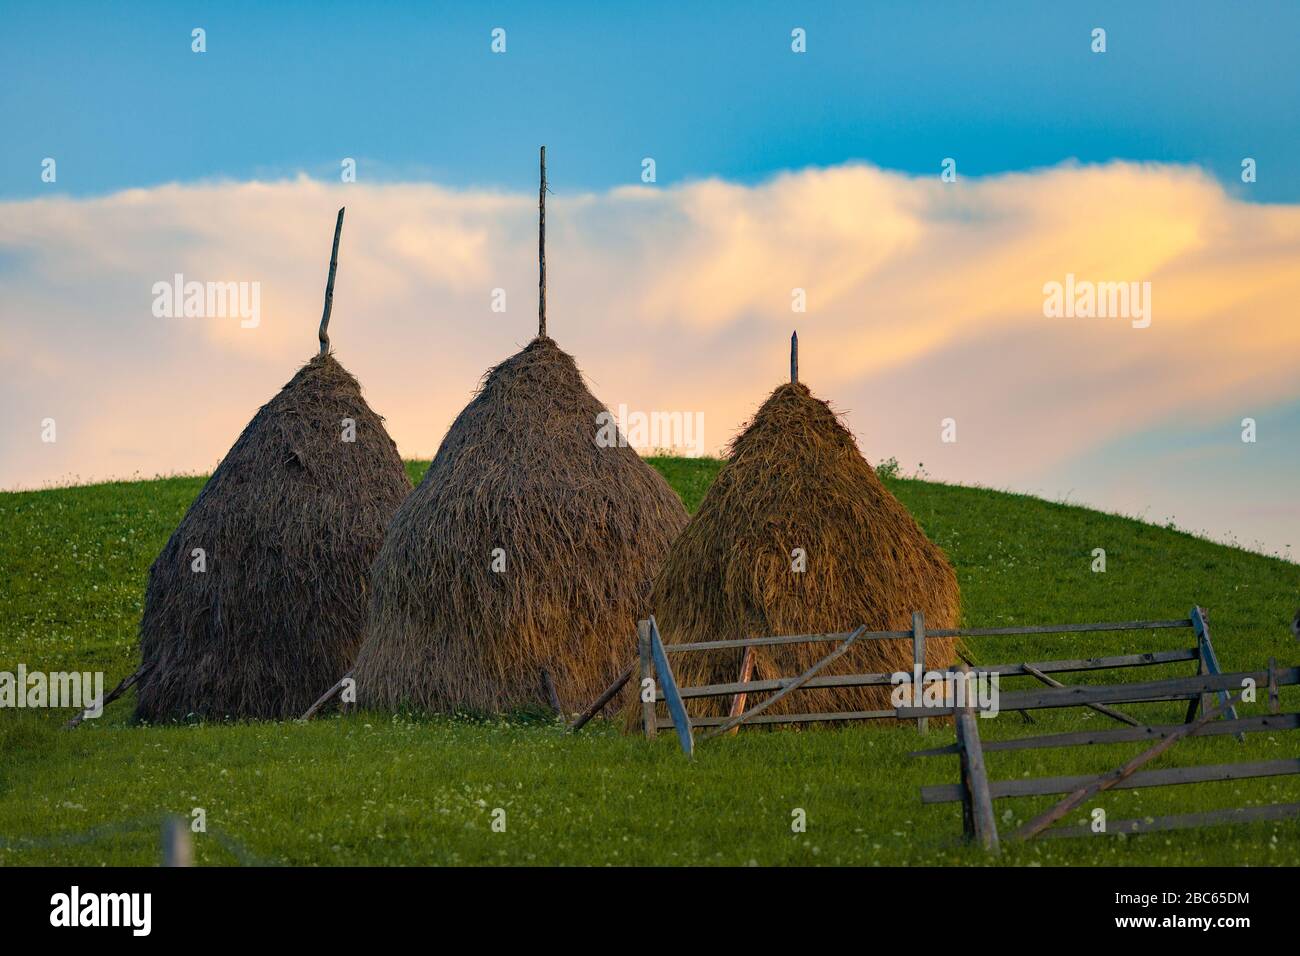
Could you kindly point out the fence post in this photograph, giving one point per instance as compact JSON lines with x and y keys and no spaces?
{"x":647,"y":671}
{"x":1198,"y":701}
{"x":681,"y":720}
{"x":918,"y":661}
{"x":552,"y":696}
{"x":976,"y":778}
{"x":177,"y":849}
{"x":1201,"y":621}
{"x":963,"y":769}
{"x":738,"y":700}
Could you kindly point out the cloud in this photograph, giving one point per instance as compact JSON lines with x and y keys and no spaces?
{"x":924,"y":301}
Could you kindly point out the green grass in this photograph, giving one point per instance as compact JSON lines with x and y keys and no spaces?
{"x":371,"y":789}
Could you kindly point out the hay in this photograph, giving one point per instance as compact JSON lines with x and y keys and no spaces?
{"x":290,"y":522}
{"x":795,"y":479}
{"x":583,"y":529}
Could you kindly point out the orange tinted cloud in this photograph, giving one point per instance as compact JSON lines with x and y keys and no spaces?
{"x":924,"y":301}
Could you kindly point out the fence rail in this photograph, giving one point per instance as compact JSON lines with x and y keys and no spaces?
{"x":654,"y":669}
{"x":1123,"y":735}
{"x":1143,"y":692}
{"x":1183,"y":821}
{"x":976,"y":792}
{"x":1009,"y":631}
{"x":1045,"y":786}
{"x":1004,"y":670}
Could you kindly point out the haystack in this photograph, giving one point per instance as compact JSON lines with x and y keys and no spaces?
{"x":259,"y":597}
{"x":525,"y":555}
{"x":794,"y":479}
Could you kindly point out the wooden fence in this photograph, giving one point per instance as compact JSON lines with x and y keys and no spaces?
{"x":656,"y":673}
{"x":976,"y":792}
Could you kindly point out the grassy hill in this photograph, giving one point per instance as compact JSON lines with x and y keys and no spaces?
{"x":372,"y":789}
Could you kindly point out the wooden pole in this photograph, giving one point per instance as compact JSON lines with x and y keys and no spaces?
{"x":681,"y":720}
{"x":112,"y":695}
{"x":324,"y":334}
{"x":1194,"y":704}
{"x":177,"y":848}
{"x":972,"y":756}
{"x":918,"y":663}
{"x":964,"y":787}
{"x":541,"y":252}
{"x":794,"y":356}
{"x":604,"y":698}
{"x":1099,"y":708}
{"x":738,"y":700}
{"x":551,"y":693}
{"x":325,"y":697}
{"x":1201,"y":623}
{"x":647,"y":671}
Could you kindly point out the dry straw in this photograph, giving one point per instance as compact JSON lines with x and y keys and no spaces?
{"x":528,"y":547}
{"x":289,"y":524}
{"x":795,"y":479}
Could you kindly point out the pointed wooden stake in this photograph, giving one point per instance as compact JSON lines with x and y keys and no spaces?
{"x":541,"y":252}
{"x":113,"y":694}
{"x":604,"y":698}
{"x":324,"y":698}
{"x":551,"y":694}
{"x":324,"y":334}
{"x":794,"y":356}
{"x":738,"y":700}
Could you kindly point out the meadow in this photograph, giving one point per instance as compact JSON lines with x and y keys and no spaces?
{"x":373,"y":789}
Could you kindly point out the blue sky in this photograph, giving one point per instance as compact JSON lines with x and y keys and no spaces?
{"x":412,"y":91}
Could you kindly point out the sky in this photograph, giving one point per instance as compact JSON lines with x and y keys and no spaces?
{"x":775,"y":171}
